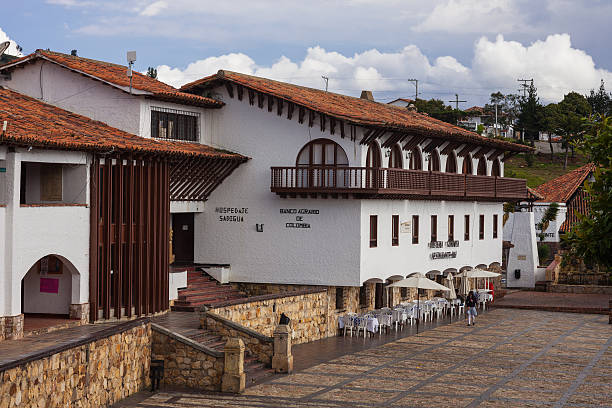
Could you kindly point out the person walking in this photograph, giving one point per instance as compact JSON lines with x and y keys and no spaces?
{"x":470,"y":307}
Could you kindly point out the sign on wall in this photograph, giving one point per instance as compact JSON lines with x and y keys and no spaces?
{"x":231,"y":214}
{"x":405,"y":227}
{"x":298,"y":213}
{"x":49,"y":285}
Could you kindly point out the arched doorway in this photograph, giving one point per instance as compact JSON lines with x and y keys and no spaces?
{"x":395,"y":158}
{"x":372,"y":165}
{"x":467,"y":165}
{"x":451,"y":163}
{"x":434,"y":161}
{"x":48,"y":290}
{"x":495,"y":169}
{"x":482,"y":167}
{"x":318,"y":162}
{"x":416,"y":161}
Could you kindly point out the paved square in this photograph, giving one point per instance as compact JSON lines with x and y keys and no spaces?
{"x":511,"y":358}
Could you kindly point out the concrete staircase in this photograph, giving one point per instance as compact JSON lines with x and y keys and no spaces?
{"x":202,"y":290}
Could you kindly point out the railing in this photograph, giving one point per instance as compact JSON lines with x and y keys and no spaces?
{"x":364,"y":180}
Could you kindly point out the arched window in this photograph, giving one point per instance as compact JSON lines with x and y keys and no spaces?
{"x":482,"y":166}
{"x":467,"y":165}
{"x":495,"y":170}
{"x":318,"y":164}
{"x":395,"y":158}
{"x":451,"y":163}
{"x":434,"y":161}
{"x":322,"y":152}
{"x":416,"y":163}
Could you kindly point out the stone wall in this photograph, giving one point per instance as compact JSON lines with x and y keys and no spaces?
{"x":584,"y":289}
{"x":186,"y":362}
{"x":93,"y":372}
{"x":12,"y":327}
{"x":307,"y":309}
{"x":256,"y":343}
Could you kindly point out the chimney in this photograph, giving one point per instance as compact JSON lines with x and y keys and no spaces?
{"x":367,"y":95}
{"x":411,"y":107}
{"x":73,"y":53}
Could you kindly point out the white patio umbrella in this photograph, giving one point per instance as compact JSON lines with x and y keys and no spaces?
{"x":451,"y":285}
{"x":465,"y":286}
{"x":478,"y":273}
{"x":418,"y":281}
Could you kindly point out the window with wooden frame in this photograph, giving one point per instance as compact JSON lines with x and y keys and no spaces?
{"x":363,"y":299}
{"x":466,"y":227}
{"x":395,"y":230}
{"x":415,"y":229}
{"x":339,"y":298}
{"x":373,"y":231}
{"x":174,"y":124}
{"x":51,"y":182}
{"x":403,"y":293}
{"x":494,"y":226}
{"x":481,"y":226}
{"x":434,"y":228}
{"x":451,"y":227}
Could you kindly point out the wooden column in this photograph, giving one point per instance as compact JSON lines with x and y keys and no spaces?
{"x":94,"y":244}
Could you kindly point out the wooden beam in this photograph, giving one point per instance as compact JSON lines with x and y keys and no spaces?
{"x":270,"y":103}
{"x":251,"y":96}
{"x":118,"y":204}
{"x":94,"y":243}
{"x":290,"y":109}
{"x":230,"y":89}
{"x":311,"y":115}
{"x":342,"y":129}
{"x":332,"y":125}
{"x":108,"y":217}
{"x":260,"y":100}
{"x":301,"y":113}
{"x":129,"y":276}
{"x":279,"y":106}
{"x":366,"y":136}
{"x":414,"y":142}
{"x":322,"y":121}
{"x":450,"y":147}
{"x":433,"y":144}
{"x":140,"y":237}
{"x":239,"y":91}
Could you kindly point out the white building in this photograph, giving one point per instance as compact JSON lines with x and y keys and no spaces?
{"x":59,"y":169}
{"x":338,"y":191}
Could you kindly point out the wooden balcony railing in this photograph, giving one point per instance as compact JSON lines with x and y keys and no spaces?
{"x":394,"y":182}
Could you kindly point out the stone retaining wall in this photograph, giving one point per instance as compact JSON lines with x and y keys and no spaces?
{"x":186,"y":362}
{"x":583,"y":289}
{"x":92,"y":372}
{"x":256,"y":343}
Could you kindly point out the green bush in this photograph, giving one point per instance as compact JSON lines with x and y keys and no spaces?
{"x":543,"y":253}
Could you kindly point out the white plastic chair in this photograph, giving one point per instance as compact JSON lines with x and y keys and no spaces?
{"x":347,"y":319}
{"x":362,"y":323}
{"x":384,"y":321}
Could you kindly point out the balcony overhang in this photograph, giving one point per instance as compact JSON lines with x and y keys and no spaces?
{"x":397,"y":184}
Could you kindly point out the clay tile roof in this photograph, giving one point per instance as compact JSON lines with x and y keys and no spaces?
{"x":561,"y":189}
{"x":31,"y":122}
{"x":116,"y":75}
{"x":355,"y":110}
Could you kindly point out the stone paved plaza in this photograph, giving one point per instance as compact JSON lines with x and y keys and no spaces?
{"x":511,"y":358}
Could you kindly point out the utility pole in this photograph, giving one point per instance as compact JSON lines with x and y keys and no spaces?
{"x":326,"y":79}
{"x":495,"y":119}
{"x":416,"y":86}
{"x":456,"y":101}
{"x":524,"y":85}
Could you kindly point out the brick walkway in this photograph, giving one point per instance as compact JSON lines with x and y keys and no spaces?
{"x":517,"y":358}
{"x":556,"y":302}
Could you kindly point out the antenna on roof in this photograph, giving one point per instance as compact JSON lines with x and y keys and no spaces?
{"x":131,"y":59}
{"x":4,"y":46}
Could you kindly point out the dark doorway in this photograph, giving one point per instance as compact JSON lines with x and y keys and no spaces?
{"x":182,"y":238}
{"x":379,"y":298}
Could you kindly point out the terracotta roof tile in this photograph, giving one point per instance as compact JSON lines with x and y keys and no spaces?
{"x":355,"y":110}
{"x":561,"y":189}
{"x":116,"y":74}
{"x":31,"y":122}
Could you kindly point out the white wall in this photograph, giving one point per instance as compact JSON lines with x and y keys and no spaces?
{"x":386,"y":260}
{"x":34,"y":232}
{"x":326,"y":253}
{"x":77,"y":93}
{"x":520,"y":231}
{"x":35,"y":301}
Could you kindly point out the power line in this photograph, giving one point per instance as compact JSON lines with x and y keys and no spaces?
{"x":524,"y":85}
{"x":416,"y":86}
{"x":456,"y":101}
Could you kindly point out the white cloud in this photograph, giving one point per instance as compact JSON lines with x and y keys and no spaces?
{"x":154,"y":9}
{"x":473,"y":16}
{"x":555,"y":65}
{"x":12,"y":49}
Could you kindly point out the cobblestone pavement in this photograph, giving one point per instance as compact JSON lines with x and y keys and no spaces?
{"x":511,"y":358}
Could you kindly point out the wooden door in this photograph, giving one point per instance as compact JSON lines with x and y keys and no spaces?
{"x":182,"y":238}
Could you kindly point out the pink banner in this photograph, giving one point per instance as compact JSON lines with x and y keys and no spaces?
{"x":49,"y":285}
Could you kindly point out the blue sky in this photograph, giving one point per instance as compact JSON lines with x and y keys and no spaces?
{"x":469,"y":47}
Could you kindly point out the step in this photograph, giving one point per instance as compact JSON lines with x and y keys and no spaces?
{"x":208,"y":295}
{"x":207,"y":288}
{"x":197,"y":303}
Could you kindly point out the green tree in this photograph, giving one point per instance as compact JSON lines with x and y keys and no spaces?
{"x":438,"y":110}
{"x":550,"y":124}
{"x":600,"y":101}
{"x":530,"y":115}
{"x":507,"y":109}
{"x":590,"y":239}
{"x":572,"y":111}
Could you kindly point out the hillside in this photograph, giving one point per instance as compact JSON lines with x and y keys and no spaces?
{"x":542,"y":169}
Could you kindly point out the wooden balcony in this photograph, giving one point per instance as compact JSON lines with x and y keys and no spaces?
{"x":363,"y":182}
